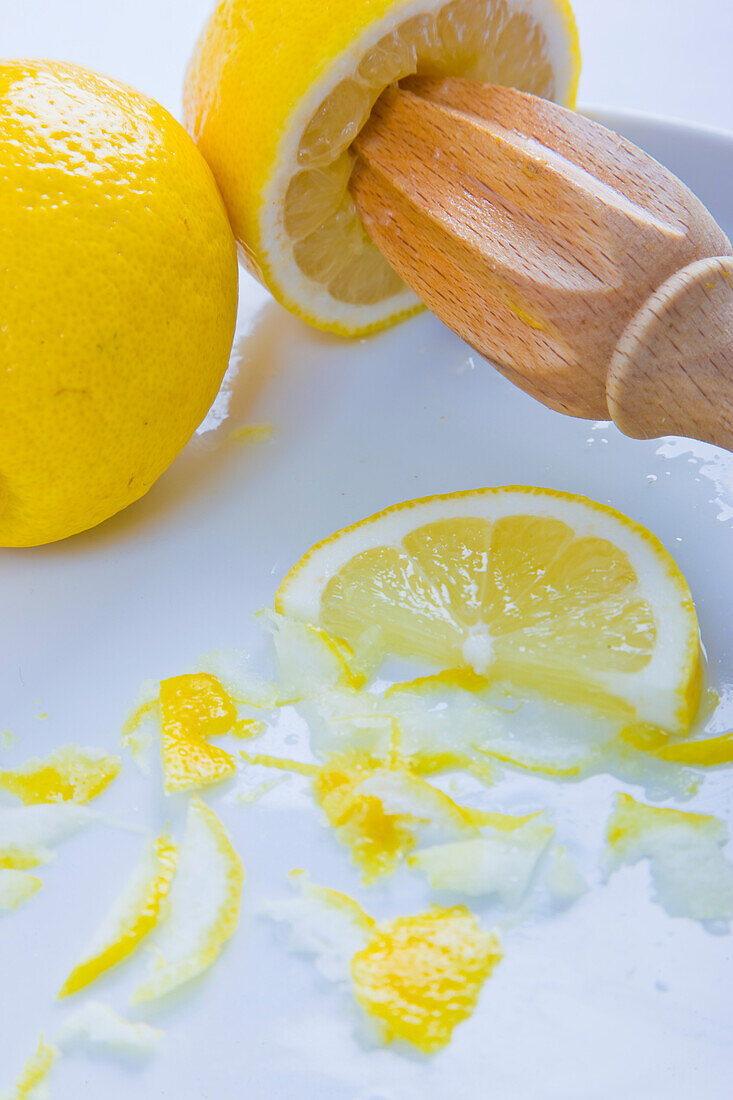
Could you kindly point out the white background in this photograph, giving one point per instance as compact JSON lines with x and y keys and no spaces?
{"x":613,"y":1000}
{"x":665,"y":57}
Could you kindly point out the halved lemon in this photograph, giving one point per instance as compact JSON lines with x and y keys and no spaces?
{"x":538,"y":588}
{"x":276,"y":93}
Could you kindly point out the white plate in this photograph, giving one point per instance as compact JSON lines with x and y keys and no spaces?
{"x":613,"y":999}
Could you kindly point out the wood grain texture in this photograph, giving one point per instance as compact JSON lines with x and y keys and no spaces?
{"x":669,"y":371}
{"x":538,"y":236}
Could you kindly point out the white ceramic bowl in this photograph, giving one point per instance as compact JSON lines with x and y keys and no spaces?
{"x":614,"y":998}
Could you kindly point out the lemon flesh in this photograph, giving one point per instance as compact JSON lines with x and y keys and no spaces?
{"x":542,"y":589}
{"x":275,"y":103}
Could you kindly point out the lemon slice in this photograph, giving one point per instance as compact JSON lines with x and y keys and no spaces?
{"x":541,"y":589}
{"x":132,"y":917}
{"x":204,"y":905}
{"x":69,"y":774}
{"x":275,"y":95}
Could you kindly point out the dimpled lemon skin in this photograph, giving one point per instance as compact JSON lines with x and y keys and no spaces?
{"x":118,"y":297}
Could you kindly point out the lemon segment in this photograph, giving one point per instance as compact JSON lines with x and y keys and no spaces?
{"x":275,"y":103}
{"x":132,"y":917}
{"x":542,"y":590}
{"x":204,"y":905}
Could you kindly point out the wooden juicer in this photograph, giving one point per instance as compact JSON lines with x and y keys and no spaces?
{"x":584,"y":270}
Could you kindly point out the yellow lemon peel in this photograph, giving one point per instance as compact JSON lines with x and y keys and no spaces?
{"x":691,"y":876}
{"x":34,"y":1073}
{"x":282,"y":763}
{"x":420,"y":976}
{"x":645,"y":738}
{"x":378,"y":840}
{"x":193,"y":707}
{"x":379,"y":808}
{"x":417,"y":976}
{"x":132,"y":917}
{"x":464,"y":678}
{"x":204,"y":905}
{"x":710,"y":752}
{"x":69,"y":774}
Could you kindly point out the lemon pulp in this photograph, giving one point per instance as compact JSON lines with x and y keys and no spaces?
{"x":542,"y":589}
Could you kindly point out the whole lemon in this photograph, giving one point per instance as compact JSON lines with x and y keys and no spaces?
{"x":118,"y":297}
